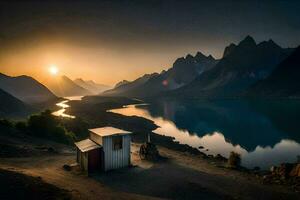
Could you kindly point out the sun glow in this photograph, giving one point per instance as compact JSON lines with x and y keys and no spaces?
{"x":53,"y":70}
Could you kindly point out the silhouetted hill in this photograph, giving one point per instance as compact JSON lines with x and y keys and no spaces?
{"x":121,"y":83}
{"x":91,"y":86}
{"x":10,"y":106}
{"x":183,"y":71}
{"x":242,"y":65}
{"x":63,"y":86}
{"x":26,"y":89}
{"x":125,"y":87}
{"x":283,"y":82}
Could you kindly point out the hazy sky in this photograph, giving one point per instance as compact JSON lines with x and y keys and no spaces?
{"x":109,"y":41}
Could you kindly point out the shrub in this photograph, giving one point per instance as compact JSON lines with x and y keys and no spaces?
{"x":21,"y":126}
{"x":6,"y":127}
{"x":234,"y":160}
{"x":46,"y":125}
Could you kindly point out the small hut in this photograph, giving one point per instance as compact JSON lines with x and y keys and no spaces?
{"x":88,"y":155}
{"x":107,"y":148}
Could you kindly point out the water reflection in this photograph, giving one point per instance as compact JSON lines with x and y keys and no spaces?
{"x":223,"y":126}
{"x":63,"y":106}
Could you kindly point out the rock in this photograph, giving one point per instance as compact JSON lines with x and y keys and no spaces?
{"x":220,"y":158}
{"x":149,"y":151}
{"x":284,"y":169}
{"x":210,"y":156}
{"x":295,"y":172}
{"x":273,"y":169}
{"x":51,"y":150}
{"x":201,"y":147}
{"x":67,"y":167}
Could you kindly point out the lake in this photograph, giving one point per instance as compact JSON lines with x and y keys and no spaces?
{"x":265,"y":133}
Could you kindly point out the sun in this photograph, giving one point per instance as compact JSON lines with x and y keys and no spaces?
{"x":53,"y":70}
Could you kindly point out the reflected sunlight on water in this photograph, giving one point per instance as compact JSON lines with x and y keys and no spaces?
{"x":63,"y":105}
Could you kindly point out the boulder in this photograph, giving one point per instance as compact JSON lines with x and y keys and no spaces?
{"x":295,"y":172}
{"x":67,"y":167}
{"x":284,"y":169}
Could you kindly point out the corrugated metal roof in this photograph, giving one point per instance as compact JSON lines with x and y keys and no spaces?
{"x":108,"y":131}
{"x":87,"y":145}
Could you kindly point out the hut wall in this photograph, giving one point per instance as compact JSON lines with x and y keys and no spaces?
{"x":83,"y":160}
{"x":119,"y":158}
{"x":96,"y":138}
{"x":94,"y":160}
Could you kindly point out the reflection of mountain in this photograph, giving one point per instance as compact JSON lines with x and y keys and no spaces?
{"x":284,"y":115}
{"x":26,"y":89}
{"x":237,"y":120}
{"x":12,"y":107}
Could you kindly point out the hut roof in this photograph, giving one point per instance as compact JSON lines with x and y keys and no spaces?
{"x":87,"y":145}
{"x":109,"y":131}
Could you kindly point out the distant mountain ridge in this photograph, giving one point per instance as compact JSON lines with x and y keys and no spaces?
{"x":121,"y":83}
{"x":126,"y":86}
{"x":91,"y":86}
{"x":283,"y":81}
{"x":26,"y":89}
{"x":183,"y":71}
{"x":63,"y":86}
{"x":242,"y":65}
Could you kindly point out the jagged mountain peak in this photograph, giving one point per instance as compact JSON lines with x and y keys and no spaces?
{"x":211,"y":57}
{"x":200,"y":55}
{"x":229,"y":49}
{"x":248,"y":42}
{"x":189,"y":57}
{"x":269,"y":44}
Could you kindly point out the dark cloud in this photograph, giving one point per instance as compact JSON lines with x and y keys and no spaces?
{"x":151,"y":24}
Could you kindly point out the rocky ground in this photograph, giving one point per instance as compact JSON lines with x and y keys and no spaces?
{"x":178,"y":175}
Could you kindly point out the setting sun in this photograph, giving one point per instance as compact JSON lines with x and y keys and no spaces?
{"x":53,"y":70}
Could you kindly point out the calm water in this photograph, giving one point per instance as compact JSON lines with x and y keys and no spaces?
{"x":63,"y":106}
{"x":265,"y":133}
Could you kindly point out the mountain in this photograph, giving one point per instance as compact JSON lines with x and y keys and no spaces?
{"x":10,"y":106}
{"x":91,"y":86}
{"x":26,"y":89}
{"x":124,"y":87}
{"x":121,"y":83}
{"x":63,"y":86}
{"x":241,"y":66}
{"x":283,"y":81}
{"x":183,"y":71}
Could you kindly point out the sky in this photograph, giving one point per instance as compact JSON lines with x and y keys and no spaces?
{"x":109,"y":41}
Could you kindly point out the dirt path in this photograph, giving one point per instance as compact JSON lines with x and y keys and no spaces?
{"x":228,"y":182}
{"x":50,"y":170}
{"x":181,"y":176}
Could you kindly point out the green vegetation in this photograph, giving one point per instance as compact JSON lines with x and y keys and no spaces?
{"x":43,"y":125}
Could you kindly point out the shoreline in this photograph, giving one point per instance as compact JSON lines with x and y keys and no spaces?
{"x":140,"y":134}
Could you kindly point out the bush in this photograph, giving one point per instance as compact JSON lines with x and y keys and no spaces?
{"x":21,"y":126}
{"x":77,"y":126}
{"x":234,"y":160}
{"x":46,"y":125}
{"x":6,"y":127}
